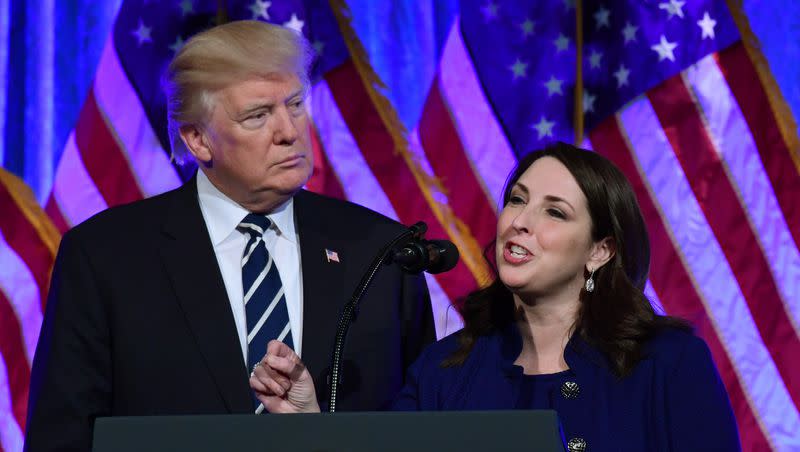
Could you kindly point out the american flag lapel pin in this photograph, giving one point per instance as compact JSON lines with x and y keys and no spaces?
{"x":332,"y":256}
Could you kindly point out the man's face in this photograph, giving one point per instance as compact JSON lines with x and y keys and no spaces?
{"x":256,"y":145}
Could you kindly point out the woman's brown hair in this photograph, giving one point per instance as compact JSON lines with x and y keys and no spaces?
{"x":616,"y":318}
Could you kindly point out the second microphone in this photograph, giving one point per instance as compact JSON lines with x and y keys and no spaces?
{"x":432,"y":256}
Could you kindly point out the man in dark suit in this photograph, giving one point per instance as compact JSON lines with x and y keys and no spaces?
{"x":153,"y":305}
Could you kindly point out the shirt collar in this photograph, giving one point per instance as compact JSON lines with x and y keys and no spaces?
{"x":223,"y":214}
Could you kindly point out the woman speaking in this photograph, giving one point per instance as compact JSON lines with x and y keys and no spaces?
{"x":564,"y":326}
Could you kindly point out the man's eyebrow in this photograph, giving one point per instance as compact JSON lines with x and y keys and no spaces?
{"x":255,"y":107}
{"x":299,"y":93}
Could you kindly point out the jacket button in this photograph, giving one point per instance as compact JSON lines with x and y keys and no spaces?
{"x":576,"y":445}
{"x":570,"y":390}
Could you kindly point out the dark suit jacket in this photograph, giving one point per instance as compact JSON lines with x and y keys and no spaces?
{"x":138,"y":321}
{"x":673,"y":400}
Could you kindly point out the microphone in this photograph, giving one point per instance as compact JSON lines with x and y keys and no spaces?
{"x":416,"y":255}
{"x":432,"y":256}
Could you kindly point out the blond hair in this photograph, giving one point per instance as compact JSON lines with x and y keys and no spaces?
{"x":221,"y":56}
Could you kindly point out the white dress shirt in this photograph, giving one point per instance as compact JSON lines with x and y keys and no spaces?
{"x":222,"y":215}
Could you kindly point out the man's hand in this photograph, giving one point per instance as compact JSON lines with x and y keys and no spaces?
{"x":282,"y":383}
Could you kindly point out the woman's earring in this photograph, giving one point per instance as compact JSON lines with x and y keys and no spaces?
{"x":590,"y":282}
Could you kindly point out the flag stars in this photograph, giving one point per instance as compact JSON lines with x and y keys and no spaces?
{"x":295,"y":24}
{"x":260,"y":9}
{"x":588,"y":102}
{"x":142,"y":33}
{"x":629,"y":32}
{"x":601,"y":17}
{"x":186,"y":7}
{"x":553,"y":86}
{"x":664,"y":49}
{"x":544,"y":127}
{"x":528,"y":27}
{"x":561,"y":43}
{"x":175,"y":46}
{"x":673,"y":8}
{"x":594,"y":59}
{"x":622,"y":76}
{"x":707,"y":25}
{"x":519,"y":69}
{"x":489,"y":11}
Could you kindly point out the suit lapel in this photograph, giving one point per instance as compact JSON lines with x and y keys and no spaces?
{"x":192,"y":266}
{"x":324,"y":284}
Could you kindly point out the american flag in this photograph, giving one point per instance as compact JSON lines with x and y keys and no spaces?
{"x":673,"y":91}
{"x":331,"y":256}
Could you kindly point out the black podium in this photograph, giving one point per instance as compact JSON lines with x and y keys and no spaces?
{"x":441,"y":431}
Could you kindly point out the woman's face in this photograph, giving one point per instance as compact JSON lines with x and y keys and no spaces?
{"x":544,"y":233}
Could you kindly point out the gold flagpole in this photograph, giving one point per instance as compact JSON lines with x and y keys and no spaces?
{"x":578,"y":72}
{"x":222,"y":12}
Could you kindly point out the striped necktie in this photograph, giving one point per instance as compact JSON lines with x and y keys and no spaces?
{"x":264,"y":300}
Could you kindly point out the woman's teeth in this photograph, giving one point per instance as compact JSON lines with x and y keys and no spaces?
{"x":518,"y":251}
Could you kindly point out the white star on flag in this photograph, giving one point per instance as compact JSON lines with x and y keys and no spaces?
{"x":629,"y":32}
{"x":259,"y":9}
{"x":553,"y":86}
{"x":664,"y":49}
{"x":588,"y":102}
{"x":175,"y":46}
{"x":622,"y":76}
{"x":142,"y":33}
{"x":674,"y":8}
{"x":489,"y":11}
{"x":561,"y":43}
{"x":186,"y":7}
{"x":527,"y":27}
{"x":594,"y":59}
{"x":295,"y":24}
{"x":707,"y":25}
{"x":519,"y":69}
{"x":544,"y":127}
{"x":601,"y":17}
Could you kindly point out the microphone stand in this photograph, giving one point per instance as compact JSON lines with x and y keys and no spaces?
{"x":351,"y":309}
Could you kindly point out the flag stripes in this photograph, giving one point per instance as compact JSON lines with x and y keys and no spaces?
{"x":323,"y":179}
{"x":743,"y":165}
{"x":19,"y":237}
{"x":784,"y":174}
{"x":18,"y":284}
{"x":13,"y":352}
{"x":684,"y":129}
{"x":444,"y":151}
{"x":27,"y":247}
{"x":53,"y":211}
{"x":390,"y":168}
{"x":360,"y":186}
{"x":481,"y":136}
{"x":10,"y":430}
{"x":75,"y":197}
{"x":671,"y":279}
{"x":126,"y":120}
{"x":706,"y":261}
{"x":101,"y":156}
{"x":122,"y":163}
